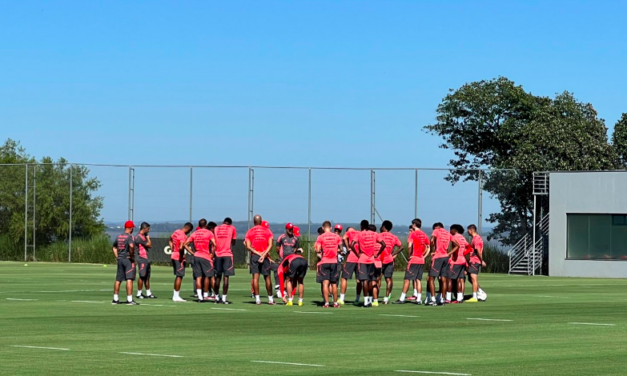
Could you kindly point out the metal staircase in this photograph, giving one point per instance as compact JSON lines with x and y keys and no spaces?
{"x":523,"y":258}
{"x":526,"y":256}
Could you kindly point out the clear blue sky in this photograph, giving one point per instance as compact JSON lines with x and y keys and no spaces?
{"x":325,"y":83}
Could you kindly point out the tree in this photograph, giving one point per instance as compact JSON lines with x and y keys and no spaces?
{"x":619,"y":140}
{"x":52,"y":197}
{"x":497,"y":124}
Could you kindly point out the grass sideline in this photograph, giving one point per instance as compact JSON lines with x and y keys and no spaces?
{"x":65,"y":324}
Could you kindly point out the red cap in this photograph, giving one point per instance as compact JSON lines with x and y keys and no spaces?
{"x":296,"y":231}
{"x":129,"y":224}
{"x":338,"y":227}
{"x":265,"y":224}
{"x":289,"y":226}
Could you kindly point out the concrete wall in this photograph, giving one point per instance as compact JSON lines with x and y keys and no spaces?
{"x":586,"y":193}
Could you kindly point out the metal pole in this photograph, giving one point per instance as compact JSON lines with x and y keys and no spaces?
{"x":34,"y":213}
{"x":252,"y":197}
{"x":416,"y":195}
{"x":480,"y":204}
{"x":249,"y":190}
{"x":533,"y":239}
{"x":309,"y":221}
{"x":372,"y":197}
{"x":129,"y":192}
{"x":69,"y":255}
{"x":191,"y":191}
{"x":26,"y":212}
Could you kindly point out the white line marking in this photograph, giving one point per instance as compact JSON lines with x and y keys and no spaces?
{"x":289,"y":364}
{"x":86,"y":301}
{"x":164,"y":355}
{"x":315,"y":313}
{"x":590,"y":323}
{"x":22,"y":300}
{"x":434,"y":373}
{"x":44,"y":348}
{"x":397,"y":315}
{"x":480,"y":319}
{"x":229,"y":309}
{"x":154,"y":305}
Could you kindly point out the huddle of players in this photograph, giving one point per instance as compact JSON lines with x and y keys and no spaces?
{"x":370,"y":257}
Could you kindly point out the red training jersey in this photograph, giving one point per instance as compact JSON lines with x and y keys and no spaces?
{"x":178,"y":238}
{"x":442,"y":241}
{"x":390,"y":241}
{"x":352,"y":236}
{"x":201,"y":239}
{"x":367,"y":241}
{"x":477,"y":244}
{"x":225,"y":234}
{"x":329,"y":243}
{"x":258,"y":237}
{"x":419,"y":241}
{"x":460,"y":259}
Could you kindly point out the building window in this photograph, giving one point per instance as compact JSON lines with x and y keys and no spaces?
{"x":596,"y":236}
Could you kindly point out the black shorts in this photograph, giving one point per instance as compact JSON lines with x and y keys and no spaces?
{"x":474,"y":268}
{"x":178,"y":268}
{"x":366,"y":272}
{"x":126,"y":270}
{"x":414,"y":272}
{"x":298,"y":268}
{"x":203,"y":268}
{"x":256,"y":267}
{"x":439,"y":267}
{"x":377,"y":272}
{"x":191,"y":261}
{"x":144,"y":269}
{"x":456,"y":271}
{"x":349,"y":269}
{"x":327,"y":272}
{"x":224,"y":266}
{"x":388,"y":270}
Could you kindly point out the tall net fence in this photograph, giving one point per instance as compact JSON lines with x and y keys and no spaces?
{"x":70,"y":212}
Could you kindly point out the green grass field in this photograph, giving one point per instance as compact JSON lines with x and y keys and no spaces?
{"x":545,"y":329}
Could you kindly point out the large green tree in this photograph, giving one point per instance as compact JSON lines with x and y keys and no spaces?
{"x":497,"y":124}
{"x":51,"y":180}
{"x":619,"y":140}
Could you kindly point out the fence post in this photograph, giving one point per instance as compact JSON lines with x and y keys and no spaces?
{"x":533,"y":238}
{"x":372,"y":197}
{"x":131,"y":192}
{"x":69,"y":254}
{"x":26,"y":212}
{"x":416,"y":194}
{"x":191,"y":192}
{"x":480,"y":203}
{"x":309,"y":220}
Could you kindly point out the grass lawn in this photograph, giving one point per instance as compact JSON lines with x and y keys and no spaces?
{"x":546,"y":328}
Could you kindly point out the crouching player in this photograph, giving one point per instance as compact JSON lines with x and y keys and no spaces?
{"x":293,"y":270}
{"x":457,"y":267}
{"x":418,"y":245}
{"x":327,"y":245}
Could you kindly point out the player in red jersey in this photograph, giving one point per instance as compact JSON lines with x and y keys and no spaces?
{"x":475,"y":261}
{"x":142,"y":245}
{"x":123,"y":249}
{"x":177,"y":242}
{"x":457,"y":266}
{"x":327,"y":246}
{"x":351,"y":266}
{"x":259,"y":242}
{"x":203,"y":240}
{"x":369,"y":245}
{"x":440,"y":241}
{"x":418,"y":248}
{"x":225,"y":240}
{"x":293,"y":268}
{"x":393,"y":247}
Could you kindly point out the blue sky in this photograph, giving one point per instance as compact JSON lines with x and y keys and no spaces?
{"x":323,"y":83}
